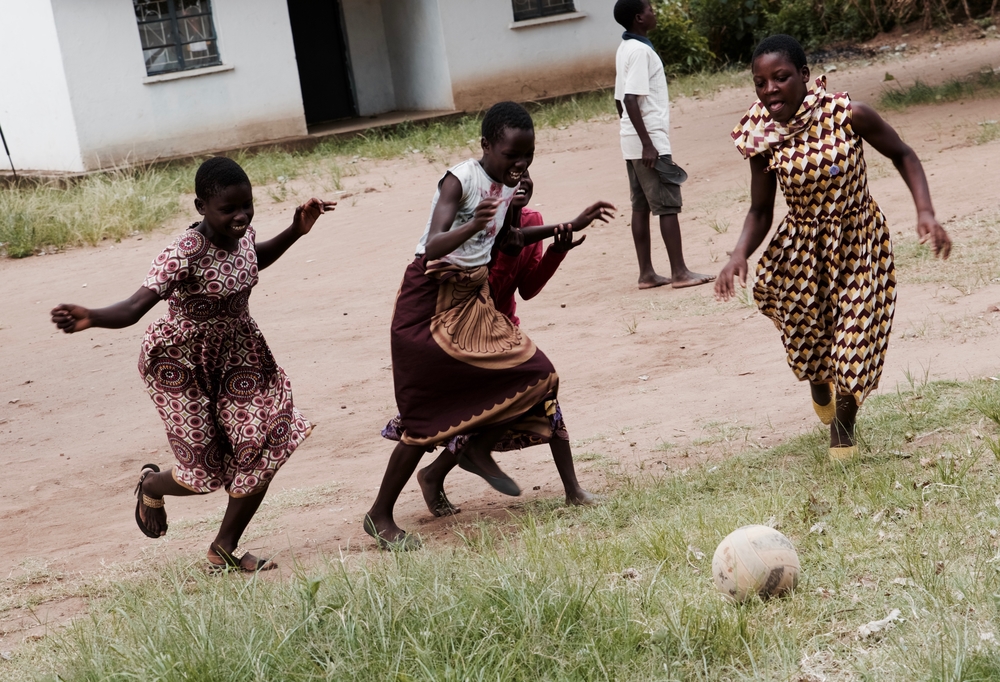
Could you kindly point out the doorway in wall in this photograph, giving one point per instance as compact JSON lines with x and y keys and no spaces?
{"x":321,"y":53}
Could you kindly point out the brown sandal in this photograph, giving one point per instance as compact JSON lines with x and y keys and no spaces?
{"x":233,"y":561}
{"x":142,"y":499}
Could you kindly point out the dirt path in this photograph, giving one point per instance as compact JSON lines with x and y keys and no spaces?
{"x":655,"y":376}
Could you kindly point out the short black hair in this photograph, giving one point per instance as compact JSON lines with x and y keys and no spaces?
{"x":626,"y":11}
{"x":217,"y":174}
{"x":781,"y":44}
{"x":503,"y":116}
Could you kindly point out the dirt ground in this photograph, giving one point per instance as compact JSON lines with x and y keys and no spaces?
{"x":649,"y":378}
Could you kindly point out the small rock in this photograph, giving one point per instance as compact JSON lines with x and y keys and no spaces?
{"x":562,"y":305}
{"x":901,"y":47}
{"x":343,"y":407}
{"x":830,"y":68}
{"x":6,"y":655}
{"x":889,"y":77}
{"x":937,"y":46}
{"x":537,"y":487}
{"x":884,"y":48}
{"x":644,"y":377}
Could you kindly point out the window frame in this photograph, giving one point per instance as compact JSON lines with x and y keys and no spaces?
{"x":173,"y":20}
{"x":541,"y":9}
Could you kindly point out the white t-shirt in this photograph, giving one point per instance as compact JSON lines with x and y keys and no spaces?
{"x":639,"y":71}
{"x":476,"y":186}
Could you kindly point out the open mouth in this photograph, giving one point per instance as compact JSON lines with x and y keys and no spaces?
{"x":520,"y":192}
{"x":515,"y":175}
{"x":775,"y":106}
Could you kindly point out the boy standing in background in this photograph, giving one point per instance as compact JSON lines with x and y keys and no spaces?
{"x":654,"y":179}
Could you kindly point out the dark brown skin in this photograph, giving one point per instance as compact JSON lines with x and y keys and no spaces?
{"x":782,"y":87}
{"x":226,"y":217}
{"x":505,"y":161}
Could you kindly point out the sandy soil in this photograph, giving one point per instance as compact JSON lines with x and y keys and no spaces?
{"x":655,"y":377}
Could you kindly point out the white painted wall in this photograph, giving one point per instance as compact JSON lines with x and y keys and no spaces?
{"x":369,"y":56}
{"x":119,"y":117}
{"x":35,"y":111}
{"x":490,"y":61}
{"x":417,"y":54}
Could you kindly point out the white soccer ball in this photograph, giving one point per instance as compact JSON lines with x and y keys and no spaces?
{"x":755,"y":560}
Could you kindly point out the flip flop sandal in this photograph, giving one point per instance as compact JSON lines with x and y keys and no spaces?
{"x":503,"y":483}
{"x":233,"y":561}
{"x":444,"y":507}
{"x":843,"y":455}
{"x":407,"y":543}
{"x":142,"y":499}
{"x":827,"y":413}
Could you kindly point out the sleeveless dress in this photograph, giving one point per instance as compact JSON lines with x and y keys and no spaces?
{"x":226,"y":404}
{"x":827,"y":278}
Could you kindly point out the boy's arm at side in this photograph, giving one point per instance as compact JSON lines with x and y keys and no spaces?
{"x":649,"y":153}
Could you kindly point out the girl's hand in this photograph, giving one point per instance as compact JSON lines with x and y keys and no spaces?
{"x":71,"y":318}
{"x":736,"y":267}
{"x":308,"y":213}
{"x":485,"y":212}
{"x":564,"y":238}
{"x":930,"y":230}
{"x":513,"y":242}
{"x":602,"y":211}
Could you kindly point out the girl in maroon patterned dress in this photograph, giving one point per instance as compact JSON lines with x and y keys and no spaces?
{"x":226,"y":404}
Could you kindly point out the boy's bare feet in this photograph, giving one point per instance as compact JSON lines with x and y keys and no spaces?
{"x":434,"y":497}
{"x":653,"y":281}
{"x":388,"y":535}
{"x":475,"y":458}
{"x":582,"y":498}
{"x":687,"y":279}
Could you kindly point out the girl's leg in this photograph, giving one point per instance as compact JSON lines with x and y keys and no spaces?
{"x":239,"y":512}
{"x":821,"y":393}
{"x":842,"y":428}
{"x":378,"y":521}
{"x":475,"y":458}
{"x":157,"y":485}
{"x":431,"y":480}
{"x":562,"y":455}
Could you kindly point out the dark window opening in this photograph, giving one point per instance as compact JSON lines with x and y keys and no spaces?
{"x":176,"y":35}
{"x":533,"y":9}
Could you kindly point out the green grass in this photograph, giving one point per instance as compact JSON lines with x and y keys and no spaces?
{"x":984,"y":83}
{"x":622,"y":591}
{"x":114,"y":205}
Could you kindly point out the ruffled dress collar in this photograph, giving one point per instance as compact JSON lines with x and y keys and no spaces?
{"x":758,"y":133}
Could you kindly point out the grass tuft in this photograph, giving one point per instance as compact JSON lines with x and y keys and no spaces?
{"x":984,"y":83}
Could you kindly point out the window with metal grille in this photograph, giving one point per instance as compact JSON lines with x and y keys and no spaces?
{"x":176,"y":35}
{"x":532,"y":9}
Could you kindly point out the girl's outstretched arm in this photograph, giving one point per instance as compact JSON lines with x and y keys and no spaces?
{"x":441,"y":239}
{"x":755,"y":227}
{"x":602,"y":211}
{"x":879,"y":134}
{"x":305,"y":217}
{"x":75,"y":318}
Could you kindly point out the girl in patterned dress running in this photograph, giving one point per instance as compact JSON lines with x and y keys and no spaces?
{"x":827,"y":278}
{"x":458,"y":365}
{"x":226,"y":404}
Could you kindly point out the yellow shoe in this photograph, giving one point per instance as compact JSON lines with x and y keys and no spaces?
{"x":843,"y":455}
{"x":827,"y":413}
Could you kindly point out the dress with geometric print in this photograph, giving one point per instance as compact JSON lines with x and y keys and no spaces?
{"x":827,"y":278}
{"x":226,"y":404}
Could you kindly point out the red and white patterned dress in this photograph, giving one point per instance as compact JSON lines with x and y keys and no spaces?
{"x":827,"y":278}
{"x":226,"y":404}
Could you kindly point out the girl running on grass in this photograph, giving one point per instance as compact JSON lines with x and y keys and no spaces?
{"x":459,"y":366}
{"x":827,"y":278}
{"x":225,"y":402}
{"x":526,"y":272}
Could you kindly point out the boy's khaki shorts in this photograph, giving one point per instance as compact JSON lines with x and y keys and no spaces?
{"x":656,"y":189}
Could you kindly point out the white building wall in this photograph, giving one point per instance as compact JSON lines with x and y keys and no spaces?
{"x":119,"y":117}
{"x":369,"y":56}
{"x":417,"y":54}
{"x":490,"y":61}
{"x":35,"y":111}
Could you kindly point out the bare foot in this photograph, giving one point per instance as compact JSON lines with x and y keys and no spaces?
{"x":690,"y":279}
{"x":434,"y":497}
{"x":653,"y":282}
{"x":388,"y":535}
{"x":582,"y":498}
{"x":477,"y":460}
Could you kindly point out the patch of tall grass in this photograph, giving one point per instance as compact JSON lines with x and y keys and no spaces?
{"x":984,"y":83}
{"x":621,"y":591}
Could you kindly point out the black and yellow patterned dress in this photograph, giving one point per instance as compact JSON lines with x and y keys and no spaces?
{"x":827,"y":278}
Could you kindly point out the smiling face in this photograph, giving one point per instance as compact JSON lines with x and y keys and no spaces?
{"x":227,"y":215}
{"x":524,"y":191}
{"x":508,"y":158}
{"x":780,"y":86}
